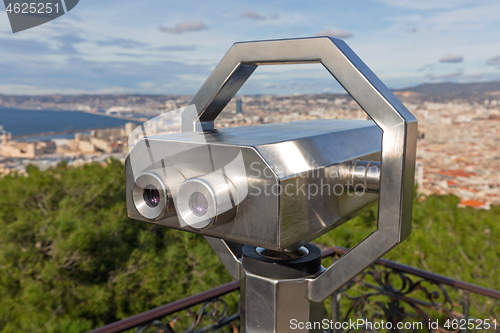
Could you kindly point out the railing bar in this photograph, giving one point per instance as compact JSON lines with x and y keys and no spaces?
{"x":424,"y":274}
{"x":404,"y":298}
{"x":167,"y":309}
{"x":220,"y":324}
{"x":187,"y":302}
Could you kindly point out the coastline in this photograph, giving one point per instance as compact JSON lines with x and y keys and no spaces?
{"x":44,"y":124}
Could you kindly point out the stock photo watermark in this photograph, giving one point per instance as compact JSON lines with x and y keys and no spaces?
{"x":365,"y":324}
{"x":347,"y":179}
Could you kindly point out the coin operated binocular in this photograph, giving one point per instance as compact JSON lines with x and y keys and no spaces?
{"x":260,"y":194}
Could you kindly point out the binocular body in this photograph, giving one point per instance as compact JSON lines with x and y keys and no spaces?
{"x":276,"y":186}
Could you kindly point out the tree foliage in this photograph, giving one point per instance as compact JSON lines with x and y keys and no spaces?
{"x":460,"y":243}
{"x":71,"y":260}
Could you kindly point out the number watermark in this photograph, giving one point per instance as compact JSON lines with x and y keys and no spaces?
{"x":26,"y":14}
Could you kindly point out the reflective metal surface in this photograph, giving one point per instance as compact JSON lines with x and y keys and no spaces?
{"x":311,"y":155}
{"x":272,"y":305}
{"x":283,"y":255}
{"x":144,"y":184}
{"x":207,"y":201}
{"x":365,"y":175}
{"x":230,"y":255}
{"x":289,"y":189}
{"x":274,"y":289}
{"x":399,"y":128}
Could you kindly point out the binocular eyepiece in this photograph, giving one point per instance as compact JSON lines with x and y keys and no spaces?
{"x":150,"y":195}
{"x":201,"y":202}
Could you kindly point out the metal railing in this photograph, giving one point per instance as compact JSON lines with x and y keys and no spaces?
{"x":387,"y":296}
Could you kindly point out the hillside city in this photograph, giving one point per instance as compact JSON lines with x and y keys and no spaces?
{"x":458,"y":147}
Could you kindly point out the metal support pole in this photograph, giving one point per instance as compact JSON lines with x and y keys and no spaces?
{"x":273,"y":287}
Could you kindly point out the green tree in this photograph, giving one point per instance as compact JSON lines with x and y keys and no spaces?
{"x":71,"y":260}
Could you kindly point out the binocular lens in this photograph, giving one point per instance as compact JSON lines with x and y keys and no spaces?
{"x":204,"y":201}
{"x":198,"y":204}
{"x":151,"y":196}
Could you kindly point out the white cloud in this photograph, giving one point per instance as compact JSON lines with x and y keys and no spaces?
{"x":186,"y":26}
{"x":253,"y":15}
{"x":445,"y":77}
{"x":116,"y":48}
{"x":430,"y":4}
{"x":171,"y":48}
{"x":24,"y":89}
{"x":474,"y":16}
{"x":451,"y":58}
{"x":493,"y":61}
{"x":474,"y":77}
{"x":460,"y":21}
{"x":427,"y":67}
{"x":335,"y":33}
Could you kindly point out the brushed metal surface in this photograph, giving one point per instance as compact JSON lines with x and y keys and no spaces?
{"x":274,"y":306}
{"x":300,"y":158}
{"x":399,"y":140}
{"x":294,"y":155}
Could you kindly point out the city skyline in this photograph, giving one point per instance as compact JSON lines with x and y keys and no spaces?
{"x":170,"y":48}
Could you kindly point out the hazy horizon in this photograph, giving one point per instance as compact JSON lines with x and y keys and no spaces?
{"x":343,"y":92}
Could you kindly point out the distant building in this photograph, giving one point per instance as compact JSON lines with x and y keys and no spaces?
{"x":474,"y":204}
{"x":129,"y":127}
{"x":118,"y":109}
{"x":102,"y":141}
{"x":30,"y":150}
{"x":441,"y":133}
{"x":239,"y":108}
{"x":4,"y":135}
{"x":419,"y":174}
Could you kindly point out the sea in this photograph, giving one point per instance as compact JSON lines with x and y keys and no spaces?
{"x":29,"y":122}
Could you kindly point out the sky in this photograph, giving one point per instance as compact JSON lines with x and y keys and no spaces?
{"x":170,"y":47}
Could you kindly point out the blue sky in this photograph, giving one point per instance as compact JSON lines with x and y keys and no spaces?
{"x":170,"y":47}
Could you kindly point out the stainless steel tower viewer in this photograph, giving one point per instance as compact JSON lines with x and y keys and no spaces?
{"x":249,"y":190}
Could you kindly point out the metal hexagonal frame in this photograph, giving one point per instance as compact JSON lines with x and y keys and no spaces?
{"x":399,"y":138}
